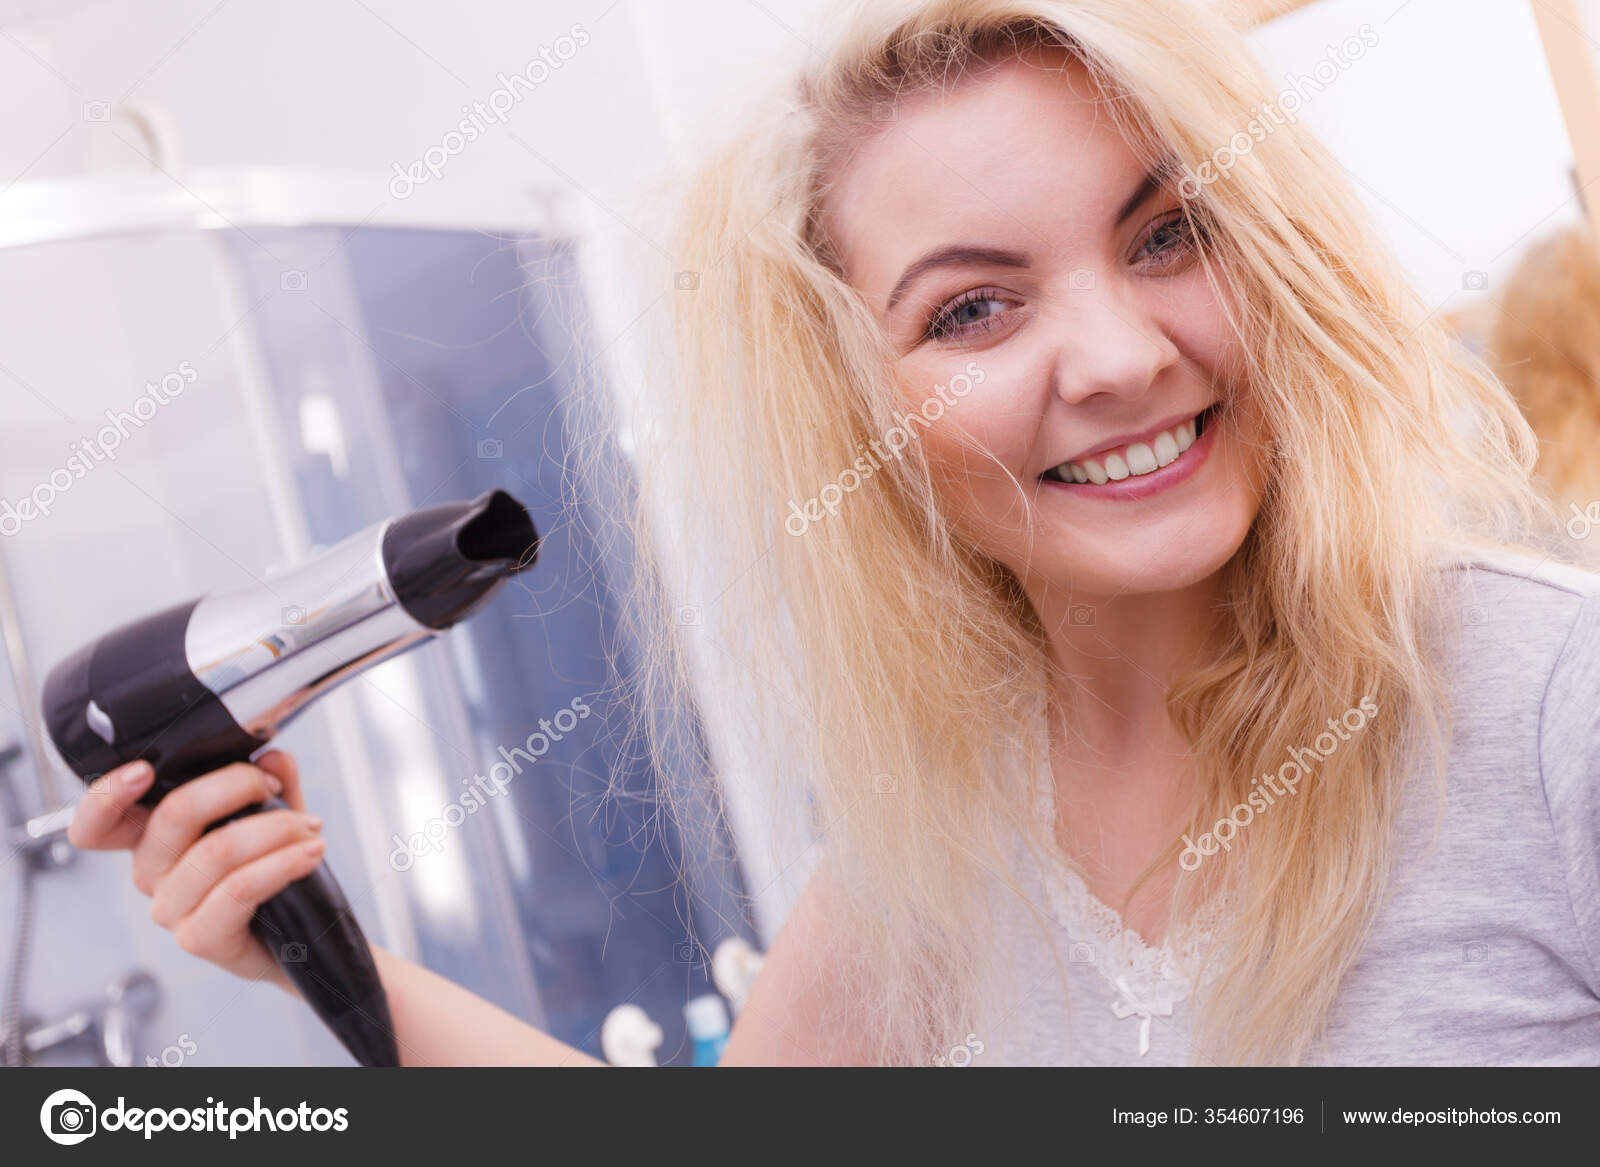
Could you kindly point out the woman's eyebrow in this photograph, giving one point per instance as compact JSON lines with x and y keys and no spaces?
{"x":954,"y":256}
{"x":1151,"y":183}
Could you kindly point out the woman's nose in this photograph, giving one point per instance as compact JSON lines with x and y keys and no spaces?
{"x":1107,"y":344}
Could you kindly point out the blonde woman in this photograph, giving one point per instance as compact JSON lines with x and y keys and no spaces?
{"x":1083,"y":464}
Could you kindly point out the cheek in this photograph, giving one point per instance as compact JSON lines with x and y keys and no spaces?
{"x":991,"y":404}
{"x":981,"y":444}
{"x":1195,"y":318}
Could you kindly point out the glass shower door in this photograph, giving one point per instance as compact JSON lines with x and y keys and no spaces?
{"x":327,"y":377}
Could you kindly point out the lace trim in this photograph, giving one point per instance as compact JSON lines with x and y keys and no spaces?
{"x":1148,"y":981}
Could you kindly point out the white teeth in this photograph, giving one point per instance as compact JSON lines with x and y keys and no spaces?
{"x":1141,"y":459}
{"x":1166,"y":450}
{"x":1137,"y":459}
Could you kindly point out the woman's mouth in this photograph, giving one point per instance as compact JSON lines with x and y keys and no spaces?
{"x":1140,"y":469}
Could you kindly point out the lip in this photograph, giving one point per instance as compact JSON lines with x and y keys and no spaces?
{"x":1132,"y":488}
{"x":1146,"y":435}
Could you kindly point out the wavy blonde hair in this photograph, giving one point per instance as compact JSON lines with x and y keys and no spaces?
{"x":882,"y":643}
{"x":1545,"y":344}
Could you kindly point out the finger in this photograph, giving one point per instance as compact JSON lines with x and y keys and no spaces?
{"x":183,"y":816}
{"x":282,"y":765}
{"x":221,"y":852}
{"x":224,"y":914}
{"x":108,"y":817}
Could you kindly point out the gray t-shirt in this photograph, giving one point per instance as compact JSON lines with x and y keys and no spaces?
{"x":1487,"y":949}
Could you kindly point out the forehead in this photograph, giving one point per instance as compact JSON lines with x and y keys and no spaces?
{"x":1023,"y":154}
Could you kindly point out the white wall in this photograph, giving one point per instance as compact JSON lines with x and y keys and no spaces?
{"x":360,"y":86}
{"x":1449,"y":124}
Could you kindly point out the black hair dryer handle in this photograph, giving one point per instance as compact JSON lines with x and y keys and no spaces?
{"x":309,"y":930}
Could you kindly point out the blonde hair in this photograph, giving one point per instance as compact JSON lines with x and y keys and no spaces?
{"x":1545,"y":344}
{"x":888,"y":646}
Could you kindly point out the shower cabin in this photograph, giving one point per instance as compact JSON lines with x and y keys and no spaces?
{"x":205,"y":383}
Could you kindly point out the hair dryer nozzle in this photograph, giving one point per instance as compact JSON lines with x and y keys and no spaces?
{"x":443,"y":561}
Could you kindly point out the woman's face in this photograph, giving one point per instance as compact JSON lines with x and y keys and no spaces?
{"x":1005,"y":224}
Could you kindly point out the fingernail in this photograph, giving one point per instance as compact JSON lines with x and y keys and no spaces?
{"x":274,"y":784}
{"x":314,"y":822}
{"x":135,"y":776}
{"x":314,"y":846}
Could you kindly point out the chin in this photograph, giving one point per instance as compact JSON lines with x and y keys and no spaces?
{"x":1167,"y":556}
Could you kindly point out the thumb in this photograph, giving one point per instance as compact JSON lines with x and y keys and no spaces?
{"x":281,"y":765}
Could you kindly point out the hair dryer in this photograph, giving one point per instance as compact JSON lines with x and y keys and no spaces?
{"x":209,"y":682}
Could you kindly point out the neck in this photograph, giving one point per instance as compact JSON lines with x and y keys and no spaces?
{"x":1123,"y":773}
{"x":1118,"y":656}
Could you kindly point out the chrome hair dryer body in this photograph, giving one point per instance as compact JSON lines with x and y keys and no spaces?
{"x":211,"y":681}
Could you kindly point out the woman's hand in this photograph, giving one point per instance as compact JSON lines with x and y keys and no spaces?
{"x":204,"y":888}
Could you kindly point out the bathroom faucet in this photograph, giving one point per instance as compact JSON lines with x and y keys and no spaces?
{"x":111,"y":1023}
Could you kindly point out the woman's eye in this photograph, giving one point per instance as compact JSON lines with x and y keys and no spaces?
{"x":973,"y":312}
{"x":1169,"y":240}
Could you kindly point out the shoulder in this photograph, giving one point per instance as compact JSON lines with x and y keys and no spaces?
{"x":1520,"y":583}
{"x":1513,"y":618}
{"x":1527,"y":676}
{"x":800,"y":1011}
{"x":1521,"y":650}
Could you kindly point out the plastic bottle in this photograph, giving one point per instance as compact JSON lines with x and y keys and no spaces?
{"x":707,"y":1019}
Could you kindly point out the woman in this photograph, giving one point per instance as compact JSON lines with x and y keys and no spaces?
{"x":1170,"y":638}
